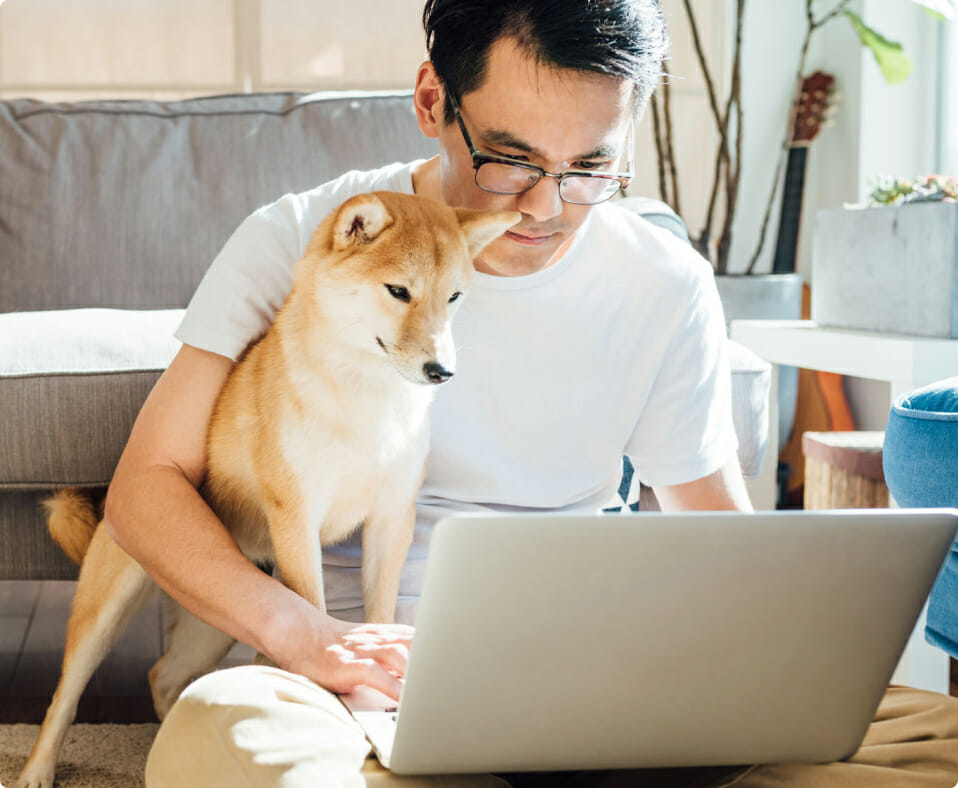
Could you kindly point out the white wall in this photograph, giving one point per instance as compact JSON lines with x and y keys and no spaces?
{"x":882,"y":129}
{"x":948,"y":99}
{"x":877,"y":128}
{"x":167,"y":49}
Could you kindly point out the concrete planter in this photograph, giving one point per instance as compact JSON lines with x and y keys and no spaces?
{"x":892,"y":270}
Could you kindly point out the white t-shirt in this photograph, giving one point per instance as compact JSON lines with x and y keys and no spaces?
{"x":617,"y":348}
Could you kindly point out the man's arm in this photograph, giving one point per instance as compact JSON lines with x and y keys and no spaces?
{"x":154,"y":512}
{"x":724,"y":489}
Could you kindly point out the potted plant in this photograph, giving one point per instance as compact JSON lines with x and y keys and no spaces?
{"x":892,"y":265}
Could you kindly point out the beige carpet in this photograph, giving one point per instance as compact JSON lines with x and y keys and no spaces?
{"x":93,"y":756}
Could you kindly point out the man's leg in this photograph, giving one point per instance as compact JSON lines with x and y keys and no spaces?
{"x":263,"y":727}
{"x":913,"y":741}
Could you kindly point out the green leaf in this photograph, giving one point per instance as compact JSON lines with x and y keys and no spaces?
{"x":941,"y":10}
{"x":895,"y":65}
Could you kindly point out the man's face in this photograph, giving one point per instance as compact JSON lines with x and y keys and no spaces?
{"x":555,"y":118}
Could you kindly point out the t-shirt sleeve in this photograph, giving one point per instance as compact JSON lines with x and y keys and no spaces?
{"x":247,"y":282}
{"x":685,"y":431}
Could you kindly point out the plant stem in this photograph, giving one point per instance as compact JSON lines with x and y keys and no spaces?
{"x":733,"y":167}
{"x":721,"y":123}
{"x":673,"y":174}
{"x":659,"y":152}
{"x":703,"y":242}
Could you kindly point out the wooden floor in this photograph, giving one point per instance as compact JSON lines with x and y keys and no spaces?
{"x":33,"y":619}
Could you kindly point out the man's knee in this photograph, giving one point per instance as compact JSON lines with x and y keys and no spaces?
{"x":258,"y":725}
{"x":261,"y":687}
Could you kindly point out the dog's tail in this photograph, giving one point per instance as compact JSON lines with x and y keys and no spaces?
{"x":72,"y":518}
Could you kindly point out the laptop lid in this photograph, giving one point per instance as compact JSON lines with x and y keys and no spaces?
{"x":635,"y":641}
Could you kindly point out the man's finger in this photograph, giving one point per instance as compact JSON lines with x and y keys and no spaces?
{"x":371,"y":673}
{"x":394,"y":656}
{"x":377,"y":638}
{"x":398,"y":632}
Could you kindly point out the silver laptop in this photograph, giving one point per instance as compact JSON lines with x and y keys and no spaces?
{"x":552,"y":642}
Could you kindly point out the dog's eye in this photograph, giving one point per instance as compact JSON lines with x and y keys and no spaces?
{"x":454,"y":297}
{"x":398,"y":291}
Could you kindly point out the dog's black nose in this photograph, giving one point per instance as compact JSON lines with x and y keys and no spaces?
{"x":436,"y":373}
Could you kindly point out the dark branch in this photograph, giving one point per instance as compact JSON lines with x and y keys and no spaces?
{"x":659,"y":152}
{"x":720,"y":122}
{"x":670,"y":147}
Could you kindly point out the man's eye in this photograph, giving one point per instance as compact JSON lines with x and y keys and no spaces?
{"x":398,"y":291}
{"x":518,"y":158}
{"x":454,"y":297}
{"x":591,"y":165}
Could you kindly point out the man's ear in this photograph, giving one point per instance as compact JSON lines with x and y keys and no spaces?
{"x":481,"y":228}
{"x":428,"y":99}
{"x":360,"y":221}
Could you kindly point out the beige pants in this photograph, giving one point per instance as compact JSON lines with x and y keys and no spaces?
{"x":261,"y":726}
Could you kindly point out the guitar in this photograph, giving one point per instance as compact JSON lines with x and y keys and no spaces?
{"x":821,"y":404}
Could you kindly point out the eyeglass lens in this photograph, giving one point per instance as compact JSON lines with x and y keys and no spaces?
{"x":510,"y":179}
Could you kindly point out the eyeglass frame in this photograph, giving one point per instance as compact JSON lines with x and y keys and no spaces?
{"x":479,"y":158}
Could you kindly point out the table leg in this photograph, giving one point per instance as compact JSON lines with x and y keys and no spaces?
{"x":763,"y":489}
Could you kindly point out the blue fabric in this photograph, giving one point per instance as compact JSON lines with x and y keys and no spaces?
{"x":920,"y":459}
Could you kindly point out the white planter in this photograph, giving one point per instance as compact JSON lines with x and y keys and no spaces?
{"x":893,"y":270}
{"x":767,"y":297}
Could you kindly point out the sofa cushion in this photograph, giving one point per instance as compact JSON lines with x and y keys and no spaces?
{"x":71,"y":385}
{"x":124,"y":204}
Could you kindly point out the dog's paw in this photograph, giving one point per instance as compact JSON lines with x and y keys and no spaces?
{"x":36,"y":777}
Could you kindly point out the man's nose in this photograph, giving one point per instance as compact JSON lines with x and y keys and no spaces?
{"x":542,"y":201}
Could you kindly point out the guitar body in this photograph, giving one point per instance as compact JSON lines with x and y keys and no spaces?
{"x":821,"y":406}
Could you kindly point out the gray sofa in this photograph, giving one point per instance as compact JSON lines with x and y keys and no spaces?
{"x":110,"y":213}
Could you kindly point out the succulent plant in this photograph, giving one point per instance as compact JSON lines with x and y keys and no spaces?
{"x":888,"y":190}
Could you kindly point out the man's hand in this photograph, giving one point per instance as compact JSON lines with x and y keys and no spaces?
{"x":346,"y":655}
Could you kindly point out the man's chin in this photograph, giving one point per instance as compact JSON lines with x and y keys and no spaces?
{"x":505,"y":257}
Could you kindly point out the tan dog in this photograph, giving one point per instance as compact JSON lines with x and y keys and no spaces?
{"x":321,"y":426}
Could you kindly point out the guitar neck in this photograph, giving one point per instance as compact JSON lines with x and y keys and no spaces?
{"x":791,"y":215}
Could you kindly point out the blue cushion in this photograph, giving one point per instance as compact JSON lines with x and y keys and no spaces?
{"x":920,"y":459}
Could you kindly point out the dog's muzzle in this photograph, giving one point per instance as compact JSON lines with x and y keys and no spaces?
{"x":436,"y":373}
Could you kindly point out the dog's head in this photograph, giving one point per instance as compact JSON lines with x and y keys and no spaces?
{"x":387,"y":272}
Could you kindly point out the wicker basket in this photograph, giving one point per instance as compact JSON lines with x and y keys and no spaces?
{"x":843,"y":470}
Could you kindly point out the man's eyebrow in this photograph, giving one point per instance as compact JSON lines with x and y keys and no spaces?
{"x":507,"y":139}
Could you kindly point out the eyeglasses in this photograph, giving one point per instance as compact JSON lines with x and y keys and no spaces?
{"x":505,"y":175}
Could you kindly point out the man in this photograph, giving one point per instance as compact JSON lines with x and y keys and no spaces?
{"x":587,"y":334}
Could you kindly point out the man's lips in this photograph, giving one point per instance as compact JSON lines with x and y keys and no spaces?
{"x":528,"y":240}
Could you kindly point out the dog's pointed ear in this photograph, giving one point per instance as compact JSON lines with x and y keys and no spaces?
{"x":360,"y":221}
{"x":481,"y":228}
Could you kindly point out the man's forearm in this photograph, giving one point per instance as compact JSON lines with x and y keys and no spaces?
{"x":723,"y":490}
{"x":158,"y":517}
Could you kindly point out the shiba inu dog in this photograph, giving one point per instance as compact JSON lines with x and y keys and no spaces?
{"x":322,"y":425}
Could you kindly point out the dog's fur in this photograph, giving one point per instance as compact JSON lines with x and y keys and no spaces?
{"x":321,"y":425}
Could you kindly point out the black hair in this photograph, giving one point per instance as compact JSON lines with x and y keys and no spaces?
{"x":620,"y":38}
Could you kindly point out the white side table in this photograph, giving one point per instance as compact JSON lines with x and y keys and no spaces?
{"x":906,"y":362}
